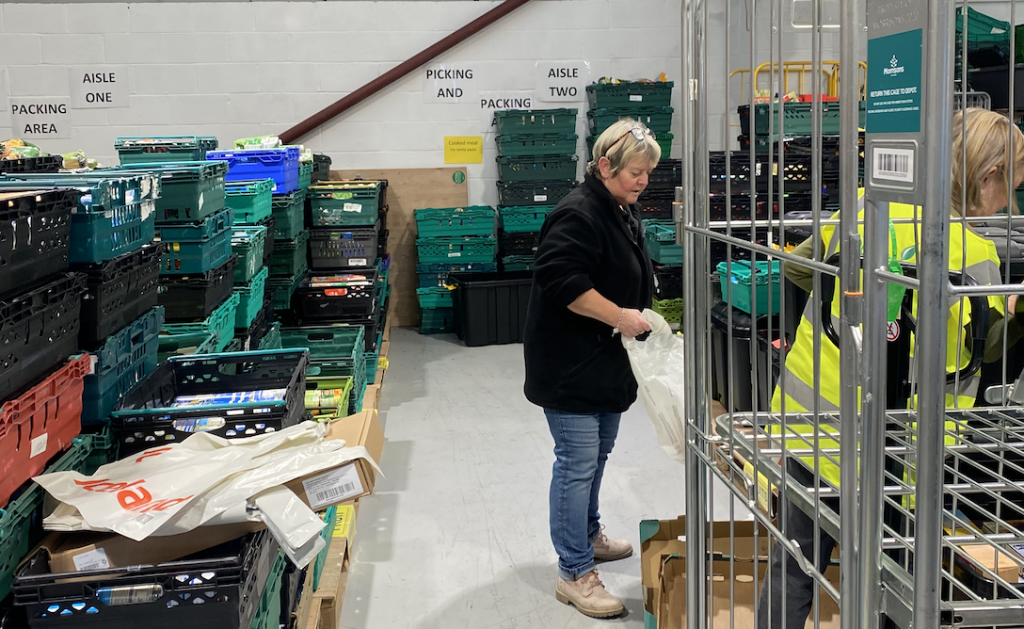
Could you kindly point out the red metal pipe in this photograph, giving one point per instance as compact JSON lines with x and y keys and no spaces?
{"x":351,"y":100}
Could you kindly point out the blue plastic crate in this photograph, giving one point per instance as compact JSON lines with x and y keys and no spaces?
{"x":280,"y":164}
{"x":101,"y":236}
{"x":196,"y":248}
{"x":121,"y":363}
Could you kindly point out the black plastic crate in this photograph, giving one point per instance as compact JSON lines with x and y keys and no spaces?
{"x":737,"y":358}
{"x":190,"y":298}
{"x":371,"y":323}
{"x":44,"y":164}
{"x":656,"y":204}
{"x":517,"y":243}
{"x":382,"y":243}
{"x":228,"y":579}
{"x":668,"y":174}
{"x":321,"y":167}
{"x":291,"y":590}
{"x":268,"y":242}
{"x":250,"y":337}
{"x":336,"y":297}
{"x":797,"y":169}
{"x":35,"y":236}
{"x":490,"y":308}
{"x":669,"y":282}
{"x":145,"y":417}
{"x":719,"y":251}
{"x":343,"y":248}
{"x":118,"y":292}
{"x":533,"y":192}
{"x":38,"y":331}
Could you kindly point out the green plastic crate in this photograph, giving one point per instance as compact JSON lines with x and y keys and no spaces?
{"x":334,"y":406}
{"x":670,"y":309}
{"x":195,"y":247}
{"x":610,"y":95}
{"x":252,"y":201}
{"x":437,"y":320}
{"x":288,"y":211}
{"x":359,"y":392}
{"x":20,"y":518}
{"x":268,"y":610}
{"x":797,"y":119}
{"x":327,"y":342}
{"x":250,"y":299}
{"x":741,"y":284}
{"x":517,"y":263}
{"x":523,"y":219}
{"x":434,"y":297}
{"x":97,"y":237}
{"x":289,"y":255}
{"x":102,"y":190}
{"x":531,"y":144}
{"x":305,"y":175}
{"x":373,"y":360}
{"x":663,"y":139}
{"x":192,"y":191}
{"x":345,"y":203}
{"x":657,"y":119}
{"x":456,"y":250}
{"x":536,"y":121}
{"x":272,"y":339}
{"x":185,"y":344}
{"x":285,"y":287}
{"x":983,"y":31}
{"x":473,"y":220}
{"x":221,"y":324}
{"x":661,"y":243}
{"x":247,"y":243}
{"x":159,"y":149}
{"x":527,"y":168}
{"x":330,"y":518}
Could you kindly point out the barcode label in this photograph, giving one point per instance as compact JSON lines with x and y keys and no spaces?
{"x":357,"y":262}
{"x":894,"y":165}
{"x":540,"y":198}
{"x":636,"y":98}
{"x":38,"y":445}
{"x":331,"y":487}
{"x":454,"y":254}
{"x":91,"y":560}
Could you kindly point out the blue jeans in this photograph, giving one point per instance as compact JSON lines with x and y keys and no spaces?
{"x":582,"y":444}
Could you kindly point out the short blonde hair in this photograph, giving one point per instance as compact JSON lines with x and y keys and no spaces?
{"x":985,"y":146}
{"x":624,"y":151}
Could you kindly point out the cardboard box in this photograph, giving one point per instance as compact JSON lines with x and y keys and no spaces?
{"x":371,"y":399}
{"x":767,"y":493}
{"x":999,"y":563}
{"x":663,"y":565}
{"x":73,"y":552}
{"x":349,"y":481}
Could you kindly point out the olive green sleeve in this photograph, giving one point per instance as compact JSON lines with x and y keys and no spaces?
{"x":801,"y":275}
{"x":1014,"y":333}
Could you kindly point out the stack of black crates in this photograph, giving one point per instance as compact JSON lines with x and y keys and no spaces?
{"x":537,"y":168}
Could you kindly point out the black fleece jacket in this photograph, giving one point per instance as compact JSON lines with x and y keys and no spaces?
{"x":573,"y":363}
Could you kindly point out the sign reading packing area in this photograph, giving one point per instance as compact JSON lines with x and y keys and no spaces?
{"x":894,"y":83}
{"x":445,"y":83}
{"x":98,"y":86}
{"x":45,"y":117}
{"x":558,"y":82}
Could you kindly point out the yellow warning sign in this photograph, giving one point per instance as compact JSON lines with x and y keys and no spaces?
{"x":463,"y":149}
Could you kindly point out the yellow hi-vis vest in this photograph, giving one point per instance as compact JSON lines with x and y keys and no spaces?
{"x":982,"y":264}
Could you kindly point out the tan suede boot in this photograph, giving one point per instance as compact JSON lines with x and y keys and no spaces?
{"x":606,"y":549}
{"x":588,"y":595}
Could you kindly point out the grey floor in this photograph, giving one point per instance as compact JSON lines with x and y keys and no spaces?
{"x":456,"y":533}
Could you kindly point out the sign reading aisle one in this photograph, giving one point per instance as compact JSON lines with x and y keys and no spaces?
{"x":46,"y":117}
{"x":98,"y":86}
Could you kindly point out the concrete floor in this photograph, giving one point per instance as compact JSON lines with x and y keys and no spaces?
{"x":456,"y":533}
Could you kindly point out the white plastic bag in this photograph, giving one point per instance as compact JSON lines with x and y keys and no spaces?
{"x":658,"y":367}
{"x":204,"y":480}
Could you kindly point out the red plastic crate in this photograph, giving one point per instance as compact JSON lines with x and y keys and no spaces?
{"x":40,"y":424}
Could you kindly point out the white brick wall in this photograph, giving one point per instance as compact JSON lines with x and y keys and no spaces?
{"x":236,"y":69}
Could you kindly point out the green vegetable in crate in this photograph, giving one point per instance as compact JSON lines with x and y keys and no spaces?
{"x":19,"y":149}
{"x":259,"y":142}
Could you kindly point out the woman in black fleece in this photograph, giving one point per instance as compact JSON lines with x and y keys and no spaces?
{"x":591,"y":279}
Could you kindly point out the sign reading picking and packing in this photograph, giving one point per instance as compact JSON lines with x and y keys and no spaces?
{"x":443,"y":83}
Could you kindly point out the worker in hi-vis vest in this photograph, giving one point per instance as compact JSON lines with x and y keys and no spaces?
{"x":980,"y":172}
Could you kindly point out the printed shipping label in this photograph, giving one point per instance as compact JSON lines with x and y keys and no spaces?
{"x":92,"y":560}
{"x":352,"y":207}
{"x":357,"y":262}
{"x":334,"y":486}
{"x":38,"y":446}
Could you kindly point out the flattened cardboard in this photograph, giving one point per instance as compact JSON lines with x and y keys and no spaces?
{"x":121,"y":551}
{"x":361,"y":429}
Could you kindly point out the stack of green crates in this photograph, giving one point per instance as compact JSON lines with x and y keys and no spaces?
{"x":288,"y":265}
{"x":252,"y":203}
{"x":336,"y":351}
{"x":537,"y":165}
{"x":648,"y":102}
{"x":450,"y":240}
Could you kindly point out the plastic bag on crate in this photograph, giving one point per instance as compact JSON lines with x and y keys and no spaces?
{"x":204,"y":480}
{"x":657,"y":364}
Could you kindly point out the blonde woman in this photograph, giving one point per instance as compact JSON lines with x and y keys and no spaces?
{"x":592,"y":277}
{"x":981,"y":140}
